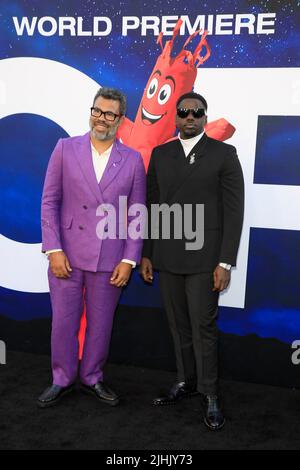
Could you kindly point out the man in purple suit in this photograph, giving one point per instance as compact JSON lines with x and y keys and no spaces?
{"x":85,"y":178}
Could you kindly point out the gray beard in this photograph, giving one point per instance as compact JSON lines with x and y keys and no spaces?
{"x":103,"y":136}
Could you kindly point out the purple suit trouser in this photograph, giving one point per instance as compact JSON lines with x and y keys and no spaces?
{"x":67,"y":306}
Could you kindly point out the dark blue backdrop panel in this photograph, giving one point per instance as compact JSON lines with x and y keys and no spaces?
{"x":27,"y":141}
{"x":277,"y":159}
{"x":272,"y":294}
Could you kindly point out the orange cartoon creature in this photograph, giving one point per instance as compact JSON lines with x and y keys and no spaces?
{"x":171,"y":77}
{"x":155,"y":120}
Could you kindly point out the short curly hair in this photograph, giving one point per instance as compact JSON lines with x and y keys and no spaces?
{"x":112,"y":94}
{"x":194,"y":96}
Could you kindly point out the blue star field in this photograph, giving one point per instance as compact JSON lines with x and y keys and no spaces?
{"x":125,"y":61}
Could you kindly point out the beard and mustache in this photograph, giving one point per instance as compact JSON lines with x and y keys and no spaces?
{"x":107,"y":134}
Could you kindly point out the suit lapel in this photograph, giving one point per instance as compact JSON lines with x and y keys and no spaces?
{"x":84,"y":157}
{"x":115,"y":162}
{"x":197,"y":151}
{"x":181,"y":168}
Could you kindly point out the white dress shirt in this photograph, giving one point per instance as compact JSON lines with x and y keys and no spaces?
{"x":188,"y":144}
{"x":99,"y":162}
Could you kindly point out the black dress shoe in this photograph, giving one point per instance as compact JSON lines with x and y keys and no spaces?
{"x":213,"y":417}
{"x":178,"y":392}
{"x":102,"y":392}
{"x":52,"y":395}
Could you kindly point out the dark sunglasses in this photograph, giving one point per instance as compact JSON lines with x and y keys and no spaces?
{"x":184,"y":112}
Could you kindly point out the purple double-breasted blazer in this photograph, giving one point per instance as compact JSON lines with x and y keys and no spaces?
{"x":71,"y":196}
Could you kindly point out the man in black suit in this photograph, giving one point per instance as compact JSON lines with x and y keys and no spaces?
{"x":194,"y":171}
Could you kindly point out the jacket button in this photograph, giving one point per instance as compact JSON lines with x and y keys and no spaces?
{"x":80,"y":227}
{"x":85,"y":207}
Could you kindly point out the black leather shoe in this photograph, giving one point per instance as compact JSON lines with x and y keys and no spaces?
{"x":213,"y":417}
{"x":178,"y":392}
{"x":52,"y":395}
{"x":102,"y":392}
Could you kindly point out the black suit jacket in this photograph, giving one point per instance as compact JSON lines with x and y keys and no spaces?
{"x":215,"y":179}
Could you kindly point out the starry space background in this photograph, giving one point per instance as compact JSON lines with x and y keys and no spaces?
{"x":272,"y":305}
{"x":126,"y":60}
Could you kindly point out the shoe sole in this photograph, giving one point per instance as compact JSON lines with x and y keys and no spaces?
{"x":169,"y":403}
{"x":213,"y":428}
{"x":106,"y":402}
{"x":54,"y":402}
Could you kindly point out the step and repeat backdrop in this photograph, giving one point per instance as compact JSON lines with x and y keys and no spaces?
{"x":56,"y":54}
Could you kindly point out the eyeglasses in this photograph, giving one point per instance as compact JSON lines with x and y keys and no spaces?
{"x":108,"y":115}
{"x":184,"y":112}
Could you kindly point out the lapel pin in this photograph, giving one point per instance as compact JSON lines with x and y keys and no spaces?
{"x":192,"y":159}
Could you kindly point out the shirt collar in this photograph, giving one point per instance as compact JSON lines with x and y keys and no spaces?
{"x":103,"y":154}
{"x":192,"y":141}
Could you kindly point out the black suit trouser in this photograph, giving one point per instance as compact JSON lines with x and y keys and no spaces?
{"x":191,"y":307}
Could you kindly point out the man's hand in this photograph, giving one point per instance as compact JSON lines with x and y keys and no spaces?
{"x":146,"y":270}
{"x":121,"y":274}
{"x":221,"y":279}
{"x":59,"y":265}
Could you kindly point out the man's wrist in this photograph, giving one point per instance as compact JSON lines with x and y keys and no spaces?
{"x":225,"y":266}
{"x":129,"y":261}
{"x":48,"y":252}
